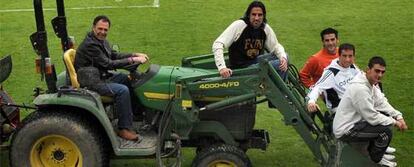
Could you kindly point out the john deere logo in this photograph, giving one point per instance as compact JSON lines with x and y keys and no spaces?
{"x":220,"y":85}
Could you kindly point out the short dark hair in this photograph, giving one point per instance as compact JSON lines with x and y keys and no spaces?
{"x":329,"y":31}
{"x":252,"y":5}
{"x":103,"y":18}
{"x":346,"y":46}
{"x":376,"y":60}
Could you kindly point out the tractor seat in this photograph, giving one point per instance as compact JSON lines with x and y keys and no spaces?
{"x":69,"y":59}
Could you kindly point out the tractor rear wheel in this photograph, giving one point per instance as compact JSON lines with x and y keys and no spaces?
{"x":57,"y":139}
{"x":221,"y":155}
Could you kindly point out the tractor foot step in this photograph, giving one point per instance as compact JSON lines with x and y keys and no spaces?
{"x":149,"y":140}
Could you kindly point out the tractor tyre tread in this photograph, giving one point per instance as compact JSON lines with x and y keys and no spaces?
{"x":42,"y":123}
{"x":221,"y":152}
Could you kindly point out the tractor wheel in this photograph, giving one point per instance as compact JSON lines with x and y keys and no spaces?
{"x":221,"y":155}
{"x":57,"y":139}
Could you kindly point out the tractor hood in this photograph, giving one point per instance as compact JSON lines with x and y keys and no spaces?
{"x":159,"y":86}
{"x":5,"y":68}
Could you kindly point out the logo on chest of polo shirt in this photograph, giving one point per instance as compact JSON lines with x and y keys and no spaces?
{"x":253,"y":47}
{"x":346,"y":81}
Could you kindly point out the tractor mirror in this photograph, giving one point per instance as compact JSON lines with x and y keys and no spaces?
{"x":5,"y":68}
{"x":116,"y":48}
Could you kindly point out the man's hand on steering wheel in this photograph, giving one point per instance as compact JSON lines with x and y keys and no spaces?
{"x":136,"y":59}
{"x":140,"y":60}
{"x":139,"y":57}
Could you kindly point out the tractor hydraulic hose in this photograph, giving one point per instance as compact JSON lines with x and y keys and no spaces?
{"x":163,"y":125}
{"x":261,"y":101}
{"x":16,"y":105}
{"x":229,"y":101}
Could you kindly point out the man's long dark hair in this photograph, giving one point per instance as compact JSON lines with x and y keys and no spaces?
{"x":259,"y":4}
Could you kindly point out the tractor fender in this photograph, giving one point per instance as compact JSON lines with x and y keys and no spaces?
{"x":213,"y":128}
{"x":90,"y":103}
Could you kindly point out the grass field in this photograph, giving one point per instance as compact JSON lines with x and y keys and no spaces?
{"x":179,"y":28}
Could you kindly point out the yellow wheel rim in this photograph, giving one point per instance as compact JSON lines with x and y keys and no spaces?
{"x":55,"y":151}
{"x":222,"y":163}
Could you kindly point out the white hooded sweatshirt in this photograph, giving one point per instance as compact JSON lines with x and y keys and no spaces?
{"x":363,"y":102}
{"x":333,"y":84}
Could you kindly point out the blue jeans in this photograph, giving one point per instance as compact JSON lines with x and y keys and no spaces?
{"x":118,"y":87}
{"x":275,"y":63}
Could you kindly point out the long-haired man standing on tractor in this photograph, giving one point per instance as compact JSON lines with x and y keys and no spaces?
{"x":246,"y":39}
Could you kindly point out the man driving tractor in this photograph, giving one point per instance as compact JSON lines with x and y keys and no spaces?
{"x":95,"y":51}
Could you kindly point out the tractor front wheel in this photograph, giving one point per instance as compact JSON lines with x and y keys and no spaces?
{"x":56,"y":139}
{"x":221,"y":156}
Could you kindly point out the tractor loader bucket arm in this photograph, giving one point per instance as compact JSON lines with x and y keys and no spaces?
{"x":287,"y":95}
{"x":292,"y":108}
{"x":262,"y":81}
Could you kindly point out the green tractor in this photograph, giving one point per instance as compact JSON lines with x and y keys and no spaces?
{"x":184,"y":106}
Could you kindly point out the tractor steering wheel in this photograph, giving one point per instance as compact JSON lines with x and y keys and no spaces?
{"x":133,"y":71}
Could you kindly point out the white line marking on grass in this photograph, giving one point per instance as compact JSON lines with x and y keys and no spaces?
{"x":156,"y":4}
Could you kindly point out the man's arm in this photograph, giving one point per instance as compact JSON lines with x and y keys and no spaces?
{"x":327,"y":81}
{"x":224,"y":41}
{"x":114,"y":54}
{"x":99,"y":58}
{"x":306,"y":72}
{"x":117,"y":55}
{"x":133,"y":57}
{"x":364,"y":103}
{"x":272,"y":44}
{"x":383,"y":105}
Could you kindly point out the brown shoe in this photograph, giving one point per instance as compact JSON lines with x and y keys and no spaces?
{"x":127,"y":134}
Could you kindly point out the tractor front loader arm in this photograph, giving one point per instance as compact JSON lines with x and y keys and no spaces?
{"x":246,"y":85}
{"x":289,"y":97}
{"x":291,"y":105}
{"x":262,"y":82}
